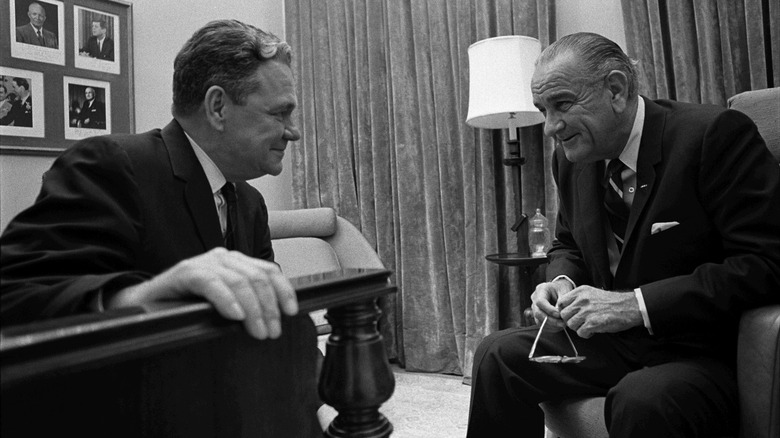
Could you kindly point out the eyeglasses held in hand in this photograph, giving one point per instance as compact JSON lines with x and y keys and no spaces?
{"x":554,"y":359}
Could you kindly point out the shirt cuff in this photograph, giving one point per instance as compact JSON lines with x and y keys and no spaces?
{"x":564,"y":277}
{"x":643,"y":309}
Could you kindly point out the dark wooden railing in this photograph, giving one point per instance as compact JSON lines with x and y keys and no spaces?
{"x":184,"y":371}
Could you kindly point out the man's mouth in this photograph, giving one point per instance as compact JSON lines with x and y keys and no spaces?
{"x":566,"y":140}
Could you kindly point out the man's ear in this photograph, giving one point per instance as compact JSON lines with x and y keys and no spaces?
{"x":214,"y":104}
{"x":617,"y":83}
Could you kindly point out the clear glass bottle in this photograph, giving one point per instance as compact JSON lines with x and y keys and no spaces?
{"x":538,"y":235}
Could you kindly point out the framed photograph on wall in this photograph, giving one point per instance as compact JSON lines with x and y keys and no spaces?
{"x":22,"y":104}
{"x":95,"y":35}
{"x":37,"y":30}
{"x":87,"y":107}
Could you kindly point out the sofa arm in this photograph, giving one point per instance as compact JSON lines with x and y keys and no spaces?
{"x":758,"y":372}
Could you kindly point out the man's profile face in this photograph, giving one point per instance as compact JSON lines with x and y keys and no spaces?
{"x":256,"y":133}
{"x":37,"y":14}
{"x":18,"y":89}
{"x":89,"y":93}
{"x":97,"y":30}
{"x":2,"y":93}
{"x":578,"y":113}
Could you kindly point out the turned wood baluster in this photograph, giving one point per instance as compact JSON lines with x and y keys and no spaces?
{"x":356,"y":377}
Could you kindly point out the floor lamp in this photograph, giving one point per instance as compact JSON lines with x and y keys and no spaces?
{"x":500,"y":71}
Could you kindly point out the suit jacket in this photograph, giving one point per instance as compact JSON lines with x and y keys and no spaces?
{"x":95,"y":113}
{"x":20,"y":114}
{"x":26,"y":34}
{"x":708,"y":169}
{"x":114,"y":211}
{"x":94,"y":50}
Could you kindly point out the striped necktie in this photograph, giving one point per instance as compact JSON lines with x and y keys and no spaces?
{"x":229,"y":192}
{"x":617,"y":210}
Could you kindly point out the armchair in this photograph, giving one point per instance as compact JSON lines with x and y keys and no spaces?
{"x":316,"y":240}
{"x":758,"y":349}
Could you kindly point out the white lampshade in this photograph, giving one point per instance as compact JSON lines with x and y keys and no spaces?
{"x":500,"y":71}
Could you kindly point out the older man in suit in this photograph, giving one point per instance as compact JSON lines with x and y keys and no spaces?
{"x":93,"y":111}
{"x":668,"y":229}
{"x":33,"y":32}
{"x":131,"y":220}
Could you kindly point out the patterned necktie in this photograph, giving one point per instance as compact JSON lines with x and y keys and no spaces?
{"x":229,"y":192}
{"x":617,"y":210}
{"x":41,"y":41}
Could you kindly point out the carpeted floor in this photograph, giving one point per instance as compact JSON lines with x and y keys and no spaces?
{"x":425,"y":406}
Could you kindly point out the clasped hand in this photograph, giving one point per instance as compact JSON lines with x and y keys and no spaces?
{"x":586,"y":310}
{"x":240,"y":287}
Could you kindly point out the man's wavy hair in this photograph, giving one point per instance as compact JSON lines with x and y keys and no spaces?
{"x":226,"y":53}
{"x":597,"y":56}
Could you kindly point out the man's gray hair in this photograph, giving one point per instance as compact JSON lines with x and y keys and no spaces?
{"x":596,"y":55}
{"x":226,"y":53}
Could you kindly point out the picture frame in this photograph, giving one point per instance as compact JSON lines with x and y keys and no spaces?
{"x":24,"y":115}
{"x":87,"y":107}
{"x":49,"y":15}
{"x":90,"y":52}
{"x":65,"y":82}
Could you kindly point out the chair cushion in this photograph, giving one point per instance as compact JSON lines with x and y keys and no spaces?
{"x":309,"y":222}
{"x":758,"y":374}
{"x":576,"y":418}
{"x":298,"y":256}
{"x":763,"y":106}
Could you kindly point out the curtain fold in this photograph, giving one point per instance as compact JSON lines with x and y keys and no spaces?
{"x":703,"y":51}
{"x":383,"y":97}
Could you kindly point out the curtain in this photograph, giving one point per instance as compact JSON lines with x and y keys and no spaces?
{"x":383,"y":97}
{"x":703,"y":51}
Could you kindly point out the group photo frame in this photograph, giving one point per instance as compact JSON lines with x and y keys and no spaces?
{"x":83,"y":50}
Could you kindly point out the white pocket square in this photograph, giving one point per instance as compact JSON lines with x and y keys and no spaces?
{"x":661,"y":226}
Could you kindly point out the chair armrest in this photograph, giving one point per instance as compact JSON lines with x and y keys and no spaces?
{"x":353,"y":249}
{"x":758,"y":372}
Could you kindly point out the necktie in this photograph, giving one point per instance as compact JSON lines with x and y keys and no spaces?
{"x":617,"y":210}
{"x":41,"y":41}
{"x":229,"y":192}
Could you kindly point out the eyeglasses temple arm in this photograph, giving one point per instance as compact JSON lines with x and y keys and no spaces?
{"x":533,"y":347}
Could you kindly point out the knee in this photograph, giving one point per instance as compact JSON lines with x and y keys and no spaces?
{"x":498,"y":350}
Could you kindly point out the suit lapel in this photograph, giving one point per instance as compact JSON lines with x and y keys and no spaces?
{"x":197,"y":191}
{"x":650,"y":155}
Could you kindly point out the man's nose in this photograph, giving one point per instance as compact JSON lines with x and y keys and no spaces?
{"x":291,"y":133}
{"x":552,"y":125}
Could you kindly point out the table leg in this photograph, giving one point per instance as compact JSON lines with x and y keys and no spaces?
{"x":356,"y":377}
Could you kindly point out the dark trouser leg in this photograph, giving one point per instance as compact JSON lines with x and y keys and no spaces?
{"x":507,"y":387}
{"x":688,"y":398}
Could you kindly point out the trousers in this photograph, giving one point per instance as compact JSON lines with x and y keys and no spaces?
{"x":652,"y":389}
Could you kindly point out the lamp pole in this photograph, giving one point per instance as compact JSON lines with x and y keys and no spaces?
{"x":515,"y":160}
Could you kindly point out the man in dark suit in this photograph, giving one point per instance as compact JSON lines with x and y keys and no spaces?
{"x":33,"y":32}
{"x":668,"y":229}
{"x":131,"y":220}
{"x":93,"y":112}
{"x":99,"y":45}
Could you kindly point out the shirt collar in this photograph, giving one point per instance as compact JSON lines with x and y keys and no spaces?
{"x":213,"y":174}
{"x":630,"y":153}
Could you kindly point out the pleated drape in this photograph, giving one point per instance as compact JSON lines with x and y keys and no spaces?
{"x":383,"y":91}
{"x":704,"y":51}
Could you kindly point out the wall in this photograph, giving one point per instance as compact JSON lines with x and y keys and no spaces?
{"x":160,"y":28}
